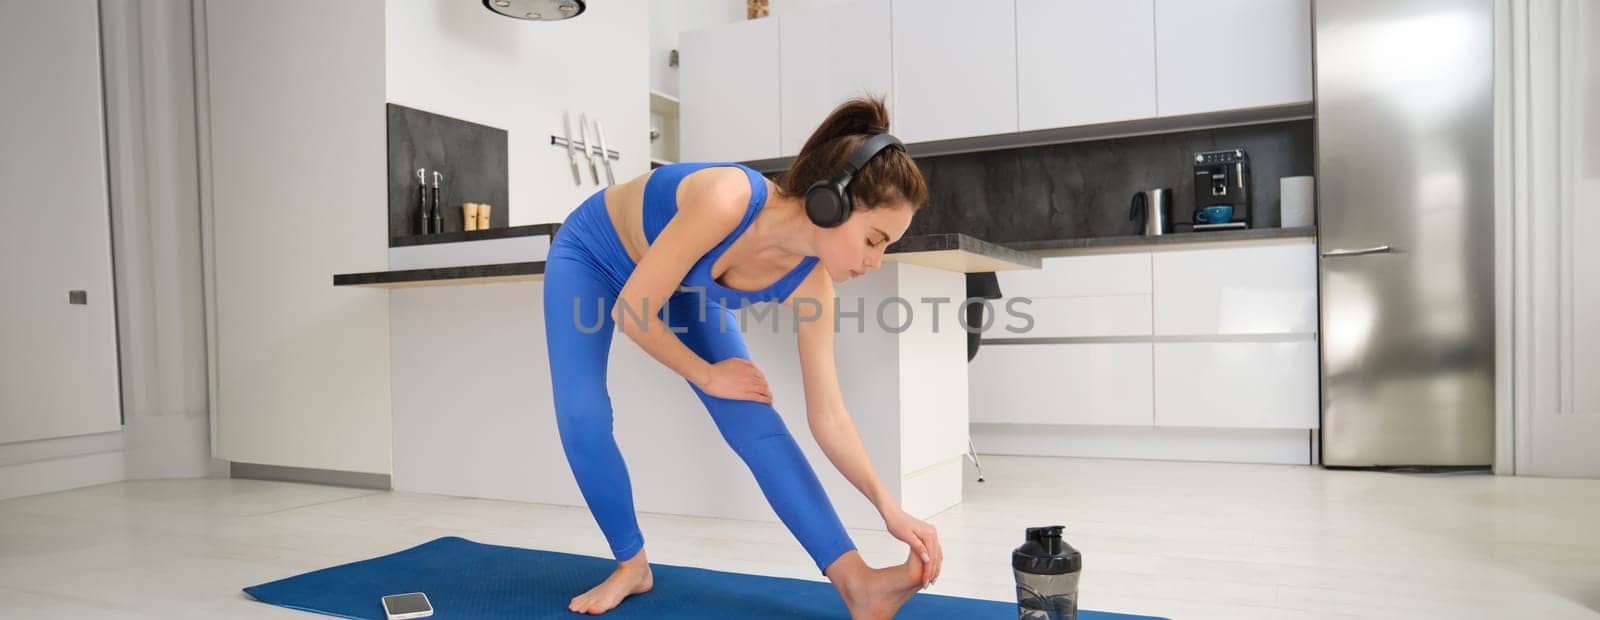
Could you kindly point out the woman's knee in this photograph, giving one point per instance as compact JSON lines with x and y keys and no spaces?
{"x":746,"y":424}
{"x":583,"y":418}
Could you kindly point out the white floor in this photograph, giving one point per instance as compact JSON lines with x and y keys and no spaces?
{"x":1183,"y":540}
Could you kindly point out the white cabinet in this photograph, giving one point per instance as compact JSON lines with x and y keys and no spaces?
{"x":955,"y":69}
{"x":1096,"y":383}
{"x":1246,"y":290}
{"x":1074,"y":317}
{"x":1225,"y":54}
{"x":1078,"y":296}
{"x":1080,"y":276}
{"x":825,"y":57}
{"x":756,"y":89}
{"x":729,"y":81}
{"x":1236,"y":384}
{"x":1081,"y":62}
{"x":1223,"y":337}
{"x":58,"y":360}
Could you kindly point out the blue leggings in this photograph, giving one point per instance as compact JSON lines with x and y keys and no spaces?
{"x":587,"y":263}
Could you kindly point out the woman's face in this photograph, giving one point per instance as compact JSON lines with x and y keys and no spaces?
{"x":856,"y":246}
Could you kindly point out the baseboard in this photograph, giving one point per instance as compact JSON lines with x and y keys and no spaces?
{"x":1225,"y":445}
{"x":932,"y":489}
{"x":282,"y":473}
{"x":62,"y":474}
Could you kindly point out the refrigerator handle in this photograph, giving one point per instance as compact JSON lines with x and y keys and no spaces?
{"x":1382,"y":249}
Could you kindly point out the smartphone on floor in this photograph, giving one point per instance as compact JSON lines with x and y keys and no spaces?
{"x":403,"y":606}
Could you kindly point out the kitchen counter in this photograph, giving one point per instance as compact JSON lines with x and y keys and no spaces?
{"x":476,"y":235}
{"x":958,"y":252}
{"x":441,"y":276}
{"x":948,"y":252}
{"x":1140,"y":243}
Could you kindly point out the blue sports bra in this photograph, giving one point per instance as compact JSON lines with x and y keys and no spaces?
{"x":661,"y":203}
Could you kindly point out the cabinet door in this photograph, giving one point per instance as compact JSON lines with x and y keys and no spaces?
{"x":58,"y":360}
{"x":729,"y":92}
{"x":1070,"y":317}
{"x":1080,"y":276}
{"x":1076,"y":297}
{"x":1269,"y":289}
{"x":955,"y":69}
{"x":1236,"y":384}
{"x":1100,"y":383}
{"x":1227,"y":54}
{"x":1057,"y":83}
{"x":826,"y":57}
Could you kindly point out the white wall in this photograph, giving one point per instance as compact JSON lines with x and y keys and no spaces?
{"x":458,"y":59}
{"x":58,"y":364}
{"x":297,"y":193}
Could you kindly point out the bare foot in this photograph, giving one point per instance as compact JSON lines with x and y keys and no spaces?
{"x":631,"y":577}
{"x":875,"y":593}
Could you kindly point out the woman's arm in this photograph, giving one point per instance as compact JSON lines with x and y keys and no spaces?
{"x":830,"y":422}
{"x":836,"y":432}
{"x":712,"y":203}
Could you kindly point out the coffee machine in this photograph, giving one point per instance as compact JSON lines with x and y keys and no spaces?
{"x":1221,"y":179}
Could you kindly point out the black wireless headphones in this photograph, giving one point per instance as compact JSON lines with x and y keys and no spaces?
{"x":828,"y":200}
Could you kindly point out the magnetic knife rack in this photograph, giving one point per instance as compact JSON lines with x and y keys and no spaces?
{"x":583,"y":147}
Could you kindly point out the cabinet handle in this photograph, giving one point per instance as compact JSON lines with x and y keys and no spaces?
{"x":1382,"y":249}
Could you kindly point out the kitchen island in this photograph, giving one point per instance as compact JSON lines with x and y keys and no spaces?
{"x":473,"y":414}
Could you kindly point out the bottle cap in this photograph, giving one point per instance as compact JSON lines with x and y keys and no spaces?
{"x":1044,"y":553}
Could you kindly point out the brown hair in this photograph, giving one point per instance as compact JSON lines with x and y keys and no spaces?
{"x":889,"y":176}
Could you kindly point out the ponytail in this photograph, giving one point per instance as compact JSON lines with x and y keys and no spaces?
{"x":890,"y":176}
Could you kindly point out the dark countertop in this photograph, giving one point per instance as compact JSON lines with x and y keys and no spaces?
{"x":948,"y":251}
{"x":959,"y":252}
{"x":444,"y":276}
{"x":954,"y":252}
{"x":502,"y":232}
{"x":1045,"y":248}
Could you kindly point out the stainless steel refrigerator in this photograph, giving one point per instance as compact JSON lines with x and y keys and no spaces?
{"x":1405,"y":182}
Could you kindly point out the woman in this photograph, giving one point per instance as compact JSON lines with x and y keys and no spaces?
{"x":738,"y":238}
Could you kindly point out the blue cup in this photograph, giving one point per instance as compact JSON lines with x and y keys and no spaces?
{"x":1214,"y":214}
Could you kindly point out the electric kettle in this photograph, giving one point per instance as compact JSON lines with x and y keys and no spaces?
{"x":1155,"y":205}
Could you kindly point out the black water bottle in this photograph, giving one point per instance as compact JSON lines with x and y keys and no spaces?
{"x":438,"y":206}
{"x":1046,"y":569}
{"x":424,"y":222}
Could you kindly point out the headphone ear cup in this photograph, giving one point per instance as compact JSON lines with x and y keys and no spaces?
{"x":826,"y":205}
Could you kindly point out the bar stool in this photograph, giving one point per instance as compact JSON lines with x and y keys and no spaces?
{"x":982,"y":285}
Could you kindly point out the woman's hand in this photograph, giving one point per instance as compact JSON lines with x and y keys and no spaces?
{"x":922,"y":537}
{"x":737,"y":378}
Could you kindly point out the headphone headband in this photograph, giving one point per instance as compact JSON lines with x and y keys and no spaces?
{"x":866,"y":152}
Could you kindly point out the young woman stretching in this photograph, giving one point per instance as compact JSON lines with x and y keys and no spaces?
{"x":735,"y":238}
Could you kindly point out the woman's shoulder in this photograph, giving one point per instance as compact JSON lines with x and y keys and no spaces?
{"x":721,"y":187}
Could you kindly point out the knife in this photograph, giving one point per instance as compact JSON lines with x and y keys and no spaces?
{"x":572,"y":155}
{"x":605,"y":155}
{"x":583,"y":127}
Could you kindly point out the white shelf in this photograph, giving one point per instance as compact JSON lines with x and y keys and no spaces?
{"x":664,"y":117}
{"x":663,"y":104}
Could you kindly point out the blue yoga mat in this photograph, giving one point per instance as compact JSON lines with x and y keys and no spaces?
{"x":465,"y":579}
